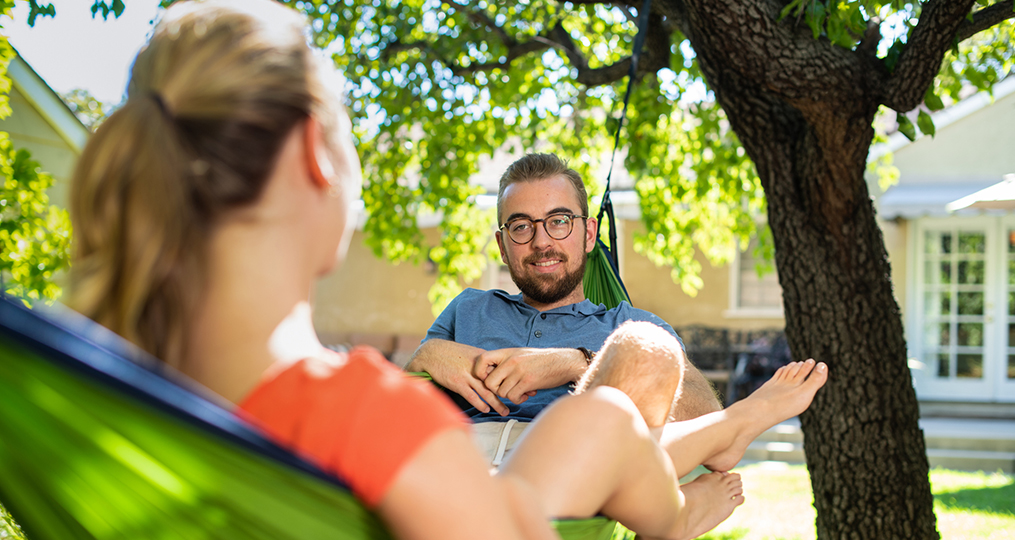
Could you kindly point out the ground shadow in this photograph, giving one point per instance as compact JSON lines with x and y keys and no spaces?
{"x":996,"y":500}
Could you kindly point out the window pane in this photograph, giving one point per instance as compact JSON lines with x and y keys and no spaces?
{"x":757,"y":291}
{"x":971,"y":272}
{"x":970,"y":303}
{"x":1011,"y":366}
{"x":937,"y":303}
{"x":942,"y":365}
{"x":1011,"y":303}
{"x":969,"y":366}
{"x":1011,"y":271}
{"x":1011,"y":334}
{"x":972,"y":242}
{"x":939,"y":272}
{"x":970,"y":335}
{"x":937,"y":243}
{"x":1011,"y":241}
{"x":937,"y":334}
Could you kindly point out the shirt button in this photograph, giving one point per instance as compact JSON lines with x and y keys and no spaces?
{"x":539,"y":334}
{"x":542,"y":316}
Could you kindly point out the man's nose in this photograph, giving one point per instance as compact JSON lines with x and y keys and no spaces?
{"x":540,"y":238}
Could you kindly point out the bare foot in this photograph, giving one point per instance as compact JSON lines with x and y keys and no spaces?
{"x":710,"y":499}
{"x":788,"y":393}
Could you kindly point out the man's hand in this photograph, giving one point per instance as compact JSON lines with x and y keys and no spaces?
{"x":450,"y":365}
{"x":517,"y":374}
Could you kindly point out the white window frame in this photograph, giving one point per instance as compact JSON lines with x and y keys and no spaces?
{"x":735,"y":311}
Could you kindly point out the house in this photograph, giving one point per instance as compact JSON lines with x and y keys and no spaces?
{"x":954,"y":272}
{"x":41,"y":123}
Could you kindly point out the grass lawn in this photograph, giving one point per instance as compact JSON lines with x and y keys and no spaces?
{"x":779,"y":506}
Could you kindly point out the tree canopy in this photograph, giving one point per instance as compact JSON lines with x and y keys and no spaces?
{"x":435,"y":86}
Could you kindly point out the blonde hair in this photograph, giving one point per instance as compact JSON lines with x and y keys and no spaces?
{"x":211,"y":100}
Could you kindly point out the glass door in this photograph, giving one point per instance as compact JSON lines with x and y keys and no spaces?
{"x":957,"y":344}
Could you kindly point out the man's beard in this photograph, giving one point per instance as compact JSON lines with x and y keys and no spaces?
{"x":545,"y":288}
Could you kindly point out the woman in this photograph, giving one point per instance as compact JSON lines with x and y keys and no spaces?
{"x":204,"y":210}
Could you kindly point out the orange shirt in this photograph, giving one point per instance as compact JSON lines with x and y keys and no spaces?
{"x":356,"y":416}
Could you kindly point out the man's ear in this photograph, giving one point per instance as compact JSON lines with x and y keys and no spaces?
{"x":591,"y":229}
{"x":500,"y":245}
{"x":322,"y":171}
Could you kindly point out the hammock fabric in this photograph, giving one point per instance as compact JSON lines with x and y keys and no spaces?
{"x":98,"y":441}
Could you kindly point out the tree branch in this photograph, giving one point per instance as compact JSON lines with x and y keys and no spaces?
{"x":656,"y":54}
{"x":984,"y":19}
{"x":921,"y":59}
{"x":480,"y":17}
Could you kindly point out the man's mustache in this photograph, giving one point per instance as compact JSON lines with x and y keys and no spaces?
{"x":539,"y":257}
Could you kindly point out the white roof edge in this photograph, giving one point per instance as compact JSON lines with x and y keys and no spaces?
{"x":948,"y":115}
{"x":47,"y":103}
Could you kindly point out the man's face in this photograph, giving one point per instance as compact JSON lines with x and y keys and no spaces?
{"x":549,"y":272}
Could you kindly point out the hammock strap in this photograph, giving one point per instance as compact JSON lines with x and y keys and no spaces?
{"x":606,"y":208}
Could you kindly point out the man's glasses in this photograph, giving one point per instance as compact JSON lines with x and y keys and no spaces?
{"x":557,"y":226}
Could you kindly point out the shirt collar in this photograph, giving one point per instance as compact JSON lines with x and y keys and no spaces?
{"x":585,"y":307}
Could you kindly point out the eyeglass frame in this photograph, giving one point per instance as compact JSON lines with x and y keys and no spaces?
{"x":571,"y":217}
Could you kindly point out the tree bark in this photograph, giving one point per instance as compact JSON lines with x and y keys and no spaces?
{"x":803,"y":111}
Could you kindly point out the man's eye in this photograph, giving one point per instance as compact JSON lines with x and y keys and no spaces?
{"x":520,"y":226}
{"x":559,"y":221}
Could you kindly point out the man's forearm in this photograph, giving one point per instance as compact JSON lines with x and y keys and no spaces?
{"x":435,"y":352}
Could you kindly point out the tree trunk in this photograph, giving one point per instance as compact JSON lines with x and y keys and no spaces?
{"x":865,"y":450}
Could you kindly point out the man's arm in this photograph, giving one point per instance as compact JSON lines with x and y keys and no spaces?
{"x":450,"y":365}
{"x":517,"y":373}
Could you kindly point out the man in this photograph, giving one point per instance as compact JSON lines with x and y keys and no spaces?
{"x":529,"y":349}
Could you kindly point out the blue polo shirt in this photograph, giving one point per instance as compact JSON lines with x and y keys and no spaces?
{"x":498,"y":320}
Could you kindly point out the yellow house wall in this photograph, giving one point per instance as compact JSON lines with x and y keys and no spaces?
{"x":652,"y":289}
{"x":29,"y":130}
{"x":367,"y":295}
{"x":975,"y":147}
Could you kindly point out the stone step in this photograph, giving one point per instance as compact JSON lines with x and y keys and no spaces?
{"x":972,"y":460}
{"x":962,"y":444}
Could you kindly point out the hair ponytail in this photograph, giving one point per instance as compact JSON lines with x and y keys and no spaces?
{"x":212,"y":98}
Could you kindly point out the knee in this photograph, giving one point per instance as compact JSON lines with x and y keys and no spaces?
{"x":639,"y":349}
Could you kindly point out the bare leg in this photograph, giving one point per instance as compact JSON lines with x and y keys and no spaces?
{"x":646,"y":363}
{"x":719,"y":440}
{"x":594,"y":453}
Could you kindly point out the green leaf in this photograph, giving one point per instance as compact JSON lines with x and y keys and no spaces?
{"x":926,"y":123}
{"x":932,"y":100}
{"x":906,"y":127}
{"x":816,"y":18}
{"x":892,"y":58}
{"x":35,"y":10}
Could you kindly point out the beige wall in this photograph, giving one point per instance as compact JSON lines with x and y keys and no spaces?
{"x":370,"y":296}
{"x":978,"y":146}
{"x":29,"y":130}
{"x":896,"y":238}
{"x":652,"y":289}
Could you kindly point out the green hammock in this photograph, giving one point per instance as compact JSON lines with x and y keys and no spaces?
{"x":601,"y":283}
{"x":95,"y":443}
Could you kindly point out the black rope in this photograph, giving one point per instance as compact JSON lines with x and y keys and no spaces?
{"x":606,"y":208}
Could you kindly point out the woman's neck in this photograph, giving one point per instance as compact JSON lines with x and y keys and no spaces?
{"x":255,"y":312}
